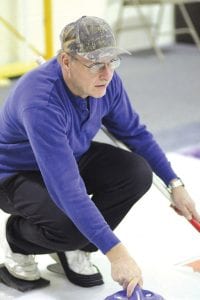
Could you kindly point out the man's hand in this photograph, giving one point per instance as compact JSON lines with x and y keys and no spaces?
{"x":183,"y":204}
{"x":124,"y":269}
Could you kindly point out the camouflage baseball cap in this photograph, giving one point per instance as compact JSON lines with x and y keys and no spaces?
{"x":91,"y":38}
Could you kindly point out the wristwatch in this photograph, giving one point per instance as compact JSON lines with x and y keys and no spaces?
{"x":174,"y":184}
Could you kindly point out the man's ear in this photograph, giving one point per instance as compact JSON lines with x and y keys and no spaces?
{"x":65,"y":61}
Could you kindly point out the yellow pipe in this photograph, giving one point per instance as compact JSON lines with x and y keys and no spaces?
{"x":16,"y":69}
{"x":48,"y":29}
{"x":19,"y":35}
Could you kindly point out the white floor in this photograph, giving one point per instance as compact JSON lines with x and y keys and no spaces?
{"x":157,"y":238}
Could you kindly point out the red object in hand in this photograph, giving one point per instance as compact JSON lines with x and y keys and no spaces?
{"x":195,"y":223}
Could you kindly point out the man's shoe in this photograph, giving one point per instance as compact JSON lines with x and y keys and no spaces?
{"x":18,"y":265}
{"x":78,"y":268}
{"x":20,"y":284}
{"x":21,"y":266}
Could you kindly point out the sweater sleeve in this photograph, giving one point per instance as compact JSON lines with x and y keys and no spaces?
{"x":124,"y":123}
{"x":46,"y":131}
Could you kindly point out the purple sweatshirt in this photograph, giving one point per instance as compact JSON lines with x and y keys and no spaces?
{"x":45,"y":127}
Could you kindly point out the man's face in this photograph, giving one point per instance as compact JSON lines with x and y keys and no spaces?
{"x":86,"y":78}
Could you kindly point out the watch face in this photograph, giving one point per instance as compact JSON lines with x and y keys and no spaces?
{"x":176,"y":183}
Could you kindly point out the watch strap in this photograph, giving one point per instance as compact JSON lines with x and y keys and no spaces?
{"x":175,"y":183}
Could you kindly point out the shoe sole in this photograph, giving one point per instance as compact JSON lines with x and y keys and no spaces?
{"x":20,"y":284}
{"x":82,"y":280}
{"x":56,"y":268}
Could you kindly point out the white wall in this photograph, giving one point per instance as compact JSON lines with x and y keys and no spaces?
{"x":68,"y":11}
{"x":138,"y":38}
{"x":6,"y":40}
{"x":27,"y":17}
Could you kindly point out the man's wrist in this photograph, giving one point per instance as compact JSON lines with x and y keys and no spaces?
{"x":116,"y":253}
{"x":175,"y":183}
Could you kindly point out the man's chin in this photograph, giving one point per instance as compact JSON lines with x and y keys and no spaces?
{"x":99,"y":94}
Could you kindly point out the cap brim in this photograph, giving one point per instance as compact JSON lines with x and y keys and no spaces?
{"x":104,"y":53}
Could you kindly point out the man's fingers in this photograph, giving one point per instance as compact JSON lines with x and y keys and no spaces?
{"x":125,"y":284}
{"x":130,"y":288}
{"x":176,"y":209}
{"x":132,"y":284}
{"x":194,"y":213}
{"x":183,"y":212}
{"x":196,"y":216}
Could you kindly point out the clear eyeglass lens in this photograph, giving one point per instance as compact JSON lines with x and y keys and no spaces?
{"x":96,"y":68}
{"x":113,"y":64}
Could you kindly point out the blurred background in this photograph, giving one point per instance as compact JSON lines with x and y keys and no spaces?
{"x":161,"y":76}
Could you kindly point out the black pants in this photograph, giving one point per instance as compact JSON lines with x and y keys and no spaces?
{"x":116,"y":178}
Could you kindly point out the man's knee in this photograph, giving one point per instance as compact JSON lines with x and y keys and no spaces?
{"x":144,"y":175}
{"x":139,"y":173}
